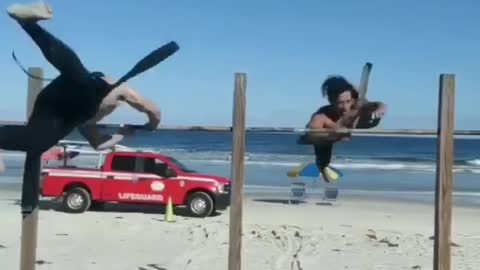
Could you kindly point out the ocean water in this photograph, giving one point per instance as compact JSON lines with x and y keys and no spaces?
{"x":370,"y":164}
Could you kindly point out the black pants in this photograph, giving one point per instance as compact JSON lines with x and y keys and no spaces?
{"x":323,"y":151}
{"x":66,"y":102}
{"x":323,"y":154}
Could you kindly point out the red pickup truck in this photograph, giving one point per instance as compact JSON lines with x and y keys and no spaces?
{"x":136,"y":177}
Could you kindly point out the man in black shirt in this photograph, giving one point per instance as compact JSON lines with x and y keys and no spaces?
{"x":344,"y":111}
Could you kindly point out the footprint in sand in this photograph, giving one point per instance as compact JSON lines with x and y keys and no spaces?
{"x":152,"y":267}
{"x":290,"y":243}
{"x":200,"y":236}
{"x":41,"y":262}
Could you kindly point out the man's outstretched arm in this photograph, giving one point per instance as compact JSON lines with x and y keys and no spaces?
{"x":141,"y":104}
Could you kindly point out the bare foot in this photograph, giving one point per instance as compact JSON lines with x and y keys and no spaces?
{"x":30,"y":12}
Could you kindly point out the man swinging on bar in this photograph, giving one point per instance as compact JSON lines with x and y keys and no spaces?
{"x":110,"y":103}
{"x":346,"y":110}
{"x":72,"y":98}
{"x":92,"y":132}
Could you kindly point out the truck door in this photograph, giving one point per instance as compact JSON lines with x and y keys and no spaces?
{"x":136,"y":179}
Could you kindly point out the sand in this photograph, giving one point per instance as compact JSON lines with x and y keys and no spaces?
{"x":355,"y":234}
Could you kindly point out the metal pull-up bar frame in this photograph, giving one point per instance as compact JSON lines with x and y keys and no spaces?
{"x":444,"y":175}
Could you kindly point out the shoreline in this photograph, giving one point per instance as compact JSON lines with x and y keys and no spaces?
{"x":461,"y":199}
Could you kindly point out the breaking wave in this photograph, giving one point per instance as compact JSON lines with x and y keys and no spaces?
{"x":187,"y":156}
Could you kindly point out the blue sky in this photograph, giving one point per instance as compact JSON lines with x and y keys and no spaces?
{"x":287,"y":48}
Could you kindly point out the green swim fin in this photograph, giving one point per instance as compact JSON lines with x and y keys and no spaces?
{"x":331,"y":174}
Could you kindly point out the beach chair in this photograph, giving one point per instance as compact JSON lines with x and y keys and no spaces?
{"x":298,"y":192}
{"x":330,"y":193}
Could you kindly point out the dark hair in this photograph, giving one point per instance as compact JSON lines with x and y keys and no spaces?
{"x":335,"y":85}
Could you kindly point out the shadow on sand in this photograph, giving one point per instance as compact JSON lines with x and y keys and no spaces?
{"x":286,"y":201}
{"x":56,"y":205}
{"x":280,"y":201}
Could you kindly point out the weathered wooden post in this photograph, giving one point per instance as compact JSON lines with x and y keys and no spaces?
{"x":31,"y":186}
{"x":238,"y":155}
{"x":444,"y":174}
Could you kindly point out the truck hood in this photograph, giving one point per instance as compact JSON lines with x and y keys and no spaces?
{"x":220,"y":179}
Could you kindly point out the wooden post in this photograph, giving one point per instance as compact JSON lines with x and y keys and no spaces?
{"x":444,"y":174}
{"x":34,"y":87}
{"x":31,"y":187}
{"x":237,"y":171}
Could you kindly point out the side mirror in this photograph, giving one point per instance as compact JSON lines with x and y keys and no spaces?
{"x":170,"y":173}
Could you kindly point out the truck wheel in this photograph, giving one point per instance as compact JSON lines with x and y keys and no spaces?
{"x":200,"y":204}
{"x":76,"y":200}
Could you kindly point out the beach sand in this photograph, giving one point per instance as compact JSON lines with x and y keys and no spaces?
{"x":354,"y":234}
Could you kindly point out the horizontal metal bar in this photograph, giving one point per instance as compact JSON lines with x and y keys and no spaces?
{"x":390,"y":131}
{"x":419,"y":132}
{"x":326,"y":131}
{"x":303,"y":130}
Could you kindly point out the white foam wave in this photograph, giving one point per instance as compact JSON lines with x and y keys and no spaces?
{"x":349,"y":165}
{"x":282,"y":160}
{"x":475,"y":162}
{"x":386,"y":166}
{"x":260,"y":163}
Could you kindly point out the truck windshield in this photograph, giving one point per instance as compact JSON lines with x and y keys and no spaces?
{"x":181,"y":166}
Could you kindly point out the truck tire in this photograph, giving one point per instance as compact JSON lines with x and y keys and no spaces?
{"x":200,"y":204}
{"x":76,"y":200}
